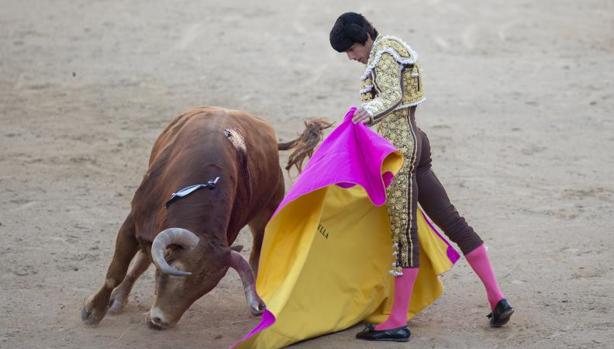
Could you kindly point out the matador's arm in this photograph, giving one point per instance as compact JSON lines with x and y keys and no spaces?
{"x":388,"y":86}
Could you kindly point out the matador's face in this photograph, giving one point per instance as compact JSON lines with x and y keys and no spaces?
{"x":359,"y":52}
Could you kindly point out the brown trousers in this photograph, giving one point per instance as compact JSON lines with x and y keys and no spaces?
{"x":420,"y":185}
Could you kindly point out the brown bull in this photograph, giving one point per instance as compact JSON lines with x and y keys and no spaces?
{"x":235,"y":156}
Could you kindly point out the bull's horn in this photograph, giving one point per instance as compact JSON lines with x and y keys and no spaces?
{"x":171,"y":236}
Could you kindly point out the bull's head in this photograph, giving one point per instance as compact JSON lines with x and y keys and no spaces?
{"x":189,"y":272}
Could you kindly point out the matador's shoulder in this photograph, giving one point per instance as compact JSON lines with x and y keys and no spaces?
{"x":397,"y":48}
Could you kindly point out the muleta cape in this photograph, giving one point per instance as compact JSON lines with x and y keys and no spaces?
{"x":326,"y":251}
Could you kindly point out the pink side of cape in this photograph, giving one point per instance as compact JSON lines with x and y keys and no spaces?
{"x":351,"y":155}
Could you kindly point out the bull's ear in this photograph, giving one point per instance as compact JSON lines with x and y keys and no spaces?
{"x":220,"y":249}
{"x":216,"y":244}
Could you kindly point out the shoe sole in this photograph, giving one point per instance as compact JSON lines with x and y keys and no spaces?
{"x":503,"y":319}
{"x":386,"y":340}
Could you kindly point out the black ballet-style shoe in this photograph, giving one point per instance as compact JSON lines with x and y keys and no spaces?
{"x":400,"y":334}
{"x":501,"y":315}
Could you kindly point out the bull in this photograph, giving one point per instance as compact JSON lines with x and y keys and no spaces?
{"x":211,"y":172}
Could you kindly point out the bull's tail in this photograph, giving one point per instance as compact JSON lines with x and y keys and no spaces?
{"x":306,"y":143}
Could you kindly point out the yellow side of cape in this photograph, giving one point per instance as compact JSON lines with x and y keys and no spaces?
{"x":325,"y":262}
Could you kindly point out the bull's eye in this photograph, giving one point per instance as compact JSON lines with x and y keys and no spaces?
{"x":172,"y":253}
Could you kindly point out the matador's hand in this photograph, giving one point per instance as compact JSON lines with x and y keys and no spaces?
{"x":361,"y":116}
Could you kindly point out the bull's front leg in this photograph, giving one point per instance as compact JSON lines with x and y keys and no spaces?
{"x":259,"y":222}
{"x":126,"y":246}
{"x":119,"y":296}
{"x":238,"y":263}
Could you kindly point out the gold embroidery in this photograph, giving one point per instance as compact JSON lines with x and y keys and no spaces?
{"x":391,"y":84}
{"x":397,"y":129}
{"x":387,"y":85}
{"x":387,"y":70}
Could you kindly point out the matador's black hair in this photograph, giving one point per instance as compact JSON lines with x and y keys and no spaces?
{"x":351,"y":28}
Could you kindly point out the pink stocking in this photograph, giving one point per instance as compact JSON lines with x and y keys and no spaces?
{"x":403,"y":288}
{"x":478,"y":259}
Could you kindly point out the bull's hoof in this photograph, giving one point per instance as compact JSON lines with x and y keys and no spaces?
{"x":117,"y":302}
{"x":93,"y":310}
{"x":90,"y":316}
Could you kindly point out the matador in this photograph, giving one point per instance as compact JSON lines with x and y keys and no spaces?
{"x":391,"y":90}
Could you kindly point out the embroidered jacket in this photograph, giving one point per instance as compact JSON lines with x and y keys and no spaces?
{"x":391,"y":81}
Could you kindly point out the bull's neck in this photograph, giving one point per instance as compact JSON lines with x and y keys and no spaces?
{"x":206,"y":212}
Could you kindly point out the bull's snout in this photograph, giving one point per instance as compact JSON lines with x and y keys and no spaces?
{"x":156,"y":320}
